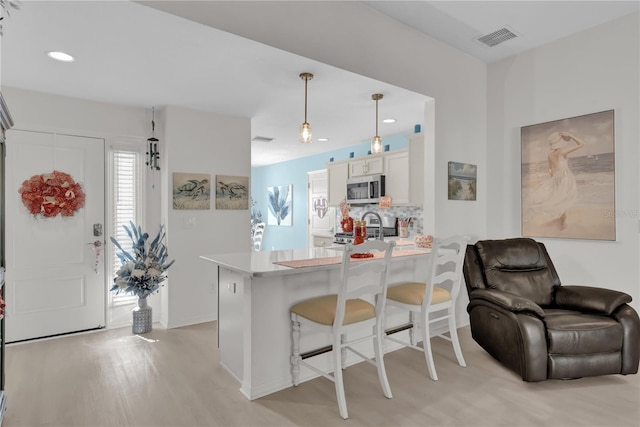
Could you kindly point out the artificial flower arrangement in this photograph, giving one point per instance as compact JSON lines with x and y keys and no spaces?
{"x":143,"y":269}
{"x":50,"y":194}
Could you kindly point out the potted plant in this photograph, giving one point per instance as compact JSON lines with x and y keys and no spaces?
{"x":142,"y":272}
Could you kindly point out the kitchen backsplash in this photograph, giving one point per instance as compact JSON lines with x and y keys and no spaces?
{"x":415,"y":228}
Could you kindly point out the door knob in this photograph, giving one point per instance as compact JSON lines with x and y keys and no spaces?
{"x":97,"y":244}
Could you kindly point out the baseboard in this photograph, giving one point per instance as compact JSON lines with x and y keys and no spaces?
{"x":172,"y":323}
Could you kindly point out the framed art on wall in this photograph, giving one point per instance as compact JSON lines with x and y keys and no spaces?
{"x":191,"y":190}
{"x":462,"y":182}
{"x":568,"y":178}
{"x":232,"y":192}
{"x":279,"y":200}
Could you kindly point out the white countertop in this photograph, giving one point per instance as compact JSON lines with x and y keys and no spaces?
{"x":261,"y":264}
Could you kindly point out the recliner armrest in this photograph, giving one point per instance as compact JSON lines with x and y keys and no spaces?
{"x":587,"y":298}
{"x":510,"y":302}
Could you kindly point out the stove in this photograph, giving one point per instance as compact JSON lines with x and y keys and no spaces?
{"x":342,"y":238}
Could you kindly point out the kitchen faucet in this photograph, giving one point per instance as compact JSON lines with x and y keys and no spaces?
{"x":380,"y":233}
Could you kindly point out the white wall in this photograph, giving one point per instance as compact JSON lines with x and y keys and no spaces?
{"x":356,"y":38}
{"x":115,"y":123}
{"x":191,"y":141}
{"x":201,"y":142}
{"x":593,"y":71}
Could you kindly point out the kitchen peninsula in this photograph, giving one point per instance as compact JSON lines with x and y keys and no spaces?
{"x":255,"y":292}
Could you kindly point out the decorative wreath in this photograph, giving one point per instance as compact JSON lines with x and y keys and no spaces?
{"x":51,"y":194}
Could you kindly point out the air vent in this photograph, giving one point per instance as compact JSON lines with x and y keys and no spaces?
{"x":497,"y":37}
{"x":261,"y":139}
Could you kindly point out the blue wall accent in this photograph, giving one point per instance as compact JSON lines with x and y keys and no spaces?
{"x":295,"y":172}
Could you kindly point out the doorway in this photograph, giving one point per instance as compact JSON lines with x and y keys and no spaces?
{"x":321,"y":219}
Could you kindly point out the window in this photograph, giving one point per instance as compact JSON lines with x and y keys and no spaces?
{"x":127,"y":163}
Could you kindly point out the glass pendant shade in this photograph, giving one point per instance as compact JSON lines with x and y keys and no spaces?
{"x":305,"y":128}
{"x":376,"y":142}
{"x":305,"y":133}
{"x":376,"y":145}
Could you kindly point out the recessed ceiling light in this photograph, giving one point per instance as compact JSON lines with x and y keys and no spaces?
{"x":61,"y":56}
{"x":323,"y":139}
{"x":388,"y":120}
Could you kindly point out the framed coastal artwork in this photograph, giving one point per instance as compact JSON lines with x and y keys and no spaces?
{"x":232,"y":192}
{"x":568,"y":178}
{"x":463,"y":178}
{"x":279,"y":202}
{"x":191,"y":191}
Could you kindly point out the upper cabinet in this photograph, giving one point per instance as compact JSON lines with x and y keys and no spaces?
{"x":403,"y":170}
{"x":397,"y":179}
{"x":338,"y":173}
{"x":370,"y":165}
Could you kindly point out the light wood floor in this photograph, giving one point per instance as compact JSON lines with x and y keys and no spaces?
{"x":173,"y":378}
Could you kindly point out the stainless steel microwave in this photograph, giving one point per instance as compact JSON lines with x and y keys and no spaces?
{"x":365,"y":189}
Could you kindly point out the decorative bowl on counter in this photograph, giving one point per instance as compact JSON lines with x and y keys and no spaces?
{"x":423,"y":241}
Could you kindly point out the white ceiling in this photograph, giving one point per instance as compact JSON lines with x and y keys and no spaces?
{"x":460,"y":23}
{"x":193,"y":66}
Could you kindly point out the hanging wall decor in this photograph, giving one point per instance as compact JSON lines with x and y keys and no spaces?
{"x":462,"y":182}
{"x":52,"y":194}
{"x":568,"y":178}
{"x":191,"y":190}
{"x":280,"y":205}
{"x":232,"y":192}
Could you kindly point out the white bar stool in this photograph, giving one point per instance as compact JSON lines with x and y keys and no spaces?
{"x":345,"y":312}
{"x":438,"y":293}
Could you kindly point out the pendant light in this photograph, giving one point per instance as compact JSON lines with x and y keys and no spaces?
{"x":153,"y":155}
{"x":305,"y":128}
{"x":376,"y":142}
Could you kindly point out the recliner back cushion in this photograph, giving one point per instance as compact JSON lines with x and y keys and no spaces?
{"x":519,"y":266}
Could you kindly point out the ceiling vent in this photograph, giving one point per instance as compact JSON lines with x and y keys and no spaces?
{"x":497,"y":37}
{"x":261,"y":139}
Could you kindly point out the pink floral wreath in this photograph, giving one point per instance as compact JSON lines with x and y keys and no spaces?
{"x":51,"y":194}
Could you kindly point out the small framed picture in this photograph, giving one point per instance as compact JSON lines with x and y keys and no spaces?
{"x":232,"y":192}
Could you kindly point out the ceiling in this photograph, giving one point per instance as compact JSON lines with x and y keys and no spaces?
{"x":460,"y":23}
{"x":195,"y":66}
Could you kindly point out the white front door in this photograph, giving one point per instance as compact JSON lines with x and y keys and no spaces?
{"x":321,"y":217}
{"x":55,"y":279}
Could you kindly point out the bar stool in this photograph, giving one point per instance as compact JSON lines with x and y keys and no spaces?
{"x":344,"y":312}
{"x":438,"y":293}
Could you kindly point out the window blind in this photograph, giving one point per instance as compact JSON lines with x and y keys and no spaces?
{"x":124,"y":206}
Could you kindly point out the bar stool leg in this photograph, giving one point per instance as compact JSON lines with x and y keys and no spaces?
{"x":343,"y":350}
{"x":426,"y":346}
{"x":413,"y":332}
{"x":295,"y":356}
{"x":337,"y":375}
{"x":378,"y":343}
{"x":453,"y":332}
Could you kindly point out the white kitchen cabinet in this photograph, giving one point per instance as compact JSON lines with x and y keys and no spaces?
{"x":320,"y":241}
{"x":370,"y":165}
{"x":397,"y":177}
{"x":338,"y":172}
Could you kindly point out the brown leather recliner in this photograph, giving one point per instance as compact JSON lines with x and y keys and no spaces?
{"x":522,"y":315}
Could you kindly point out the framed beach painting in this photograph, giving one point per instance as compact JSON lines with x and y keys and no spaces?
{"x":279,"y":202}
{"x":568,"y":178}
{"x":232,"y":192}
{"x":462,"y":182}
{"x":191,"y":190}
